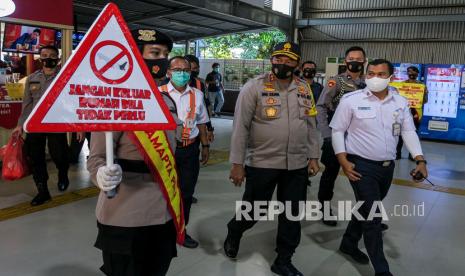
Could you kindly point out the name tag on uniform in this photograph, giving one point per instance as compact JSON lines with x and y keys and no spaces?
{"x":189,"y":123}
{"x":396,"y":129}
{"x":364,"y":108}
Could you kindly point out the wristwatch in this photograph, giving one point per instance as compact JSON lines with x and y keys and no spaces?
{"x":421,"y":161}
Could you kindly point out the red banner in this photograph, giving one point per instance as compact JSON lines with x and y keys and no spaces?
{"x":9,"y":113}
{"x":50,"y":11}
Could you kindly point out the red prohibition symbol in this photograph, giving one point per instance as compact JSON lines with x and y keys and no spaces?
{"x":100,"y":72}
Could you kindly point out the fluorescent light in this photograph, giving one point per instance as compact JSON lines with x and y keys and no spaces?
{"x":7,"y":7}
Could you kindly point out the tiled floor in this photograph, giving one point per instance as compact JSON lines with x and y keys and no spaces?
{"x":59,"y":241}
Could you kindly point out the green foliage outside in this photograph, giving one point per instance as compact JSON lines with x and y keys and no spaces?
{"x":255,"y":45}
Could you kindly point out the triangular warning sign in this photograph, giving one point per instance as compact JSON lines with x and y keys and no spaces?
{"x":104,"y":86}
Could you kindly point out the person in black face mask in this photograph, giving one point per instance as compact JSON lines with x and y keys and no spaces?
{"x":308,"y":74}
{"x":274,"y":145}
{"x":328,"y":101}
{"x":155,"y":47}
{"x":36,"y":85}
{"x":412,"y":73}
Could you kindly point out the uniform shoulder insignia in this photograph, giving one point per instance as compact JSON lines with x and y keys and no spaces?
{"x":350,"y":94}
{"x":331,"y":83}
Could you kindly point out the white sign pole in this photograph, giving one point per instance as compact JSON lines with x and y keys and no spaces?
{"x":109,"y":153}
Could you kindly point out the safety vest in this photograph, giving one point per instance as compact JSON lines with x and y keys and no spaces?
{"x":190,"y":119}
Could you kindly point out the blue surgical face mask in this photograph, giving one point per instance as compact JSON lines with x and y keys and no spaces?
{"x":216,"y":69}
{"x":180,"y":78}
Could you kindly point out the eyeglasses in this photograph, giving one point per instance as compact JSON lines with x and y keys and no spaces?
{"x":181,"y":70}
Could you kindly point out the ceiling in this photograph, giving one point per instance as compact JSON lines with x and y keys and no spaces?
{"x":185,"y":20}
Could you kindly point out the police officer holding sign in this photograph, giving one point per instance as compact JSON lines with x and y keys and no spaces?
{"x":136,"y":230}
{"x":365,"y":130}
{"x":336,"y":87}
{"x":275,"y":138}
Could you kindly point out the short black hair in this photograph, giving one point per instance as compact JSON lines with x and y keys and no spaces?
{"x":382,"y":61}
{"x":216,"y":64}
{"x":36,"y":31}
{"x":309,"y":62}
{"x":355,"y":49}
{"x":50,"y":47}
{"x":178,"y":57}
{"x":192,"y":58}
{"x":413,"y":68}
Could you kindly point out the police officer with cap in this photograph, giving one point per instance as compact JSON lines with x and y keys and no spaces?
{"x":136,"y":232}
{"x":274,"y":143}
{"x":365,"y":130}
{"x":155,"y":47}
{"x":336,"y":87}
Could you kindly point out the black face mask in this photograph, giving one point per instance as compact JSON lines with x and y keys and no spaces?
{"x":49,"y":62}
{"x":412,"y":76}
{"x":194,"y":74}
{"x":157,"y":67}
{"x":282,"y":71}
{"x":309,"y":73}
{"x":355,"y":66}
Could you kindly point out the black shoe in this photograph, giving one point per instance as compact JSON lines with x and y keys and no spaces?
{"x":189,"y":242}
{"x":231,"y":246}
{"x":384,"y":274}
{"x":194,"y":200}
{"x":63,"y":183}
{"x":285,"y":268}
{"x":356,"y":254}
{"x":331,"y":223}
{"x":41,"y":198}
{"x":384,"y":227}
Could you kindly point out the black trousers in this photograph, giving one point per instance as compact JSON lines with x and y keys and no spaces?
{"x":75,"y":147}
{"x":188,"y":163}
{"x":260,"y":185}
{"x":373,"y":186}
{"x":58,"y":148}
{"x":329,"y":175}
{"x":137,"y":251}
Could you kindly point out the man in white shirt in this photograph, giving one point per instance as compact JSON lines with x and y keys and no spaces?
{"x":192,"y":112}
{"x":365,"y":130}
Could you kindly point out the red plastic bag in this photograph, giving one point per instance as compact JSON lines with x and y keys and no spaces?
{"x":14,"y":159}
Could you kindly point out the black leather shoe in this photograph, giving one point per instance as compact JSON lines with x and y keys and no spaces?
{"x":356,"y":254}
{"x":63,"y":183}
{"x":41,"y":198}
{"x":384,"y":274}
{"x":285,"y":268}
{"x":231,"y":246}
{"x":194,"y":200}
{"x":189,"y":242}
{"x":331,"y":223}
{"x":384,"y":227}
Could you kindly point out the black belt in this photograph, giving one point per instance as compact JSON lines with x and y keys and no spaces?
{"x":384,"y":163}
{"x":137,"y":166}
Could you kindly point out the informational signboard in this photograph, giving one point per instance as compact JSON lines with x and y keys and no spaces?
{"x":104,"y":86}
{"x":400,"y":71}
{"x":444,"y":114}
{"x":414,"y":92}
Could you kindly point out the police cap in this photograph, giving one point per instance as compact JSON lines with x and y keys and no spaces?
{"x":151,"y":36}
{"x":289,"y":49}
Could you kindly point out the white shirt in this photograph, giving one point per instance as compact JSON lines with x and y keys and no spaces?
{"x":182,"y":101}
{"x":368,"y":124}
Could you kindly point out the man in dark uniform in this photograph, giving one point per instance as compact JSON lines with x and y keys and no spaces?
{"x":36,"y":85}
{"x":215,"y":86}
{"x":308,"y":74}
{"x":336,"y":87}
{"x":412,"y":73}
{"x":274,"y":143}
